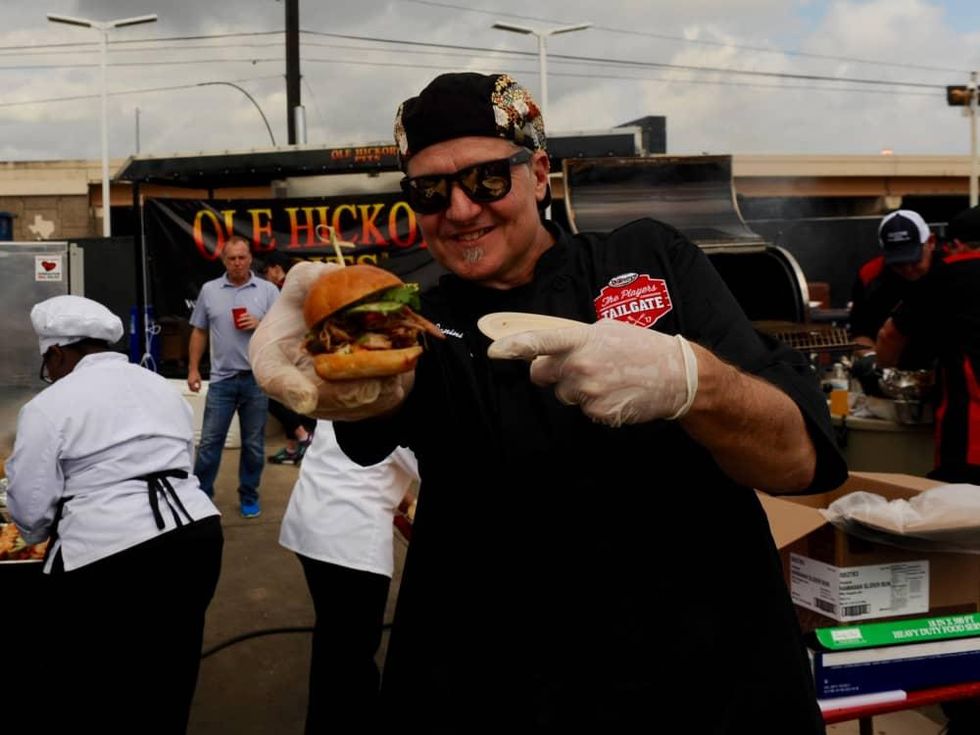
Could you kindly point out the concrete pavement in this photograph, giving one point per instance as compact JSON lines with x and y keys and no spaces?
{"x":258,"y":685}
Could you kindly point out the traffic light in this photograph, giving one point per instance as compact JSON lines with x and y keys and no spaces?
{"x":959,"y":95}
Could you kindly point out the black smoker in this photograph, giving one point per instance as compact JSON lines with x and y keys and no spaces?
{"x":696,"y":195}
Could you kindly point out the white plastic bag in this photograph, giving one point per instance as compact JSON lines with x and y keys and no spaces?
{"x":943,"y":518}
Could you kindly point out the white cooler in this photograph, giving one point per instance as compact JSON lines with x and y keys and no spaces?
{"x":234,"y":438}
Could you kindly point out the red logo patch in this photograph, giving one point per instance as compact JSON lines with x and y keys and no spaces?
{"x":48,"y":265}
{"x":634,"y":298}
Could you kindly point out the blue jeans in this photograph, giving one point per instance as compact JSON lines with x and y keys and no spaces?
{"x":239,"y":393}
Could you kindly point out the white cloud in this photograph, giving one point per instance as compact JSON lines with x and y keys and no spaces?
{"x":351,"y":93}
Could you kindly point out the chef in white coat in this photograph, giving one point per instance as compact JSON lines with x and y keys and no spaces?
{"x":339,"y":524}
{"x":101,"y":467}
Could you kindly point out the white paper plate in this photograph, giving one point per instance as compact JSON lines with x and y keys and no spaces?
{"x":506,"y":323}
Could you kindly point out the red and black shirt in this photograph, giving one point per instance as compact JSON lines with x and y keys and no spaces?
{"x":943,"y":319}
{"x":877,"y":291}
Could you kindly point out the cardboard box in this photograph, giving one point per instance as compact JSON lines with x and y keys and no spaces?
{"x":836,"y":578}
{"x":896,"y":655}
{"x":911,"y":667}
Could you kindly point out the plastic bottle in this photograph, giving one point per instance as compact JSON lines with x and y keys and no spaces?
{"x":839,"y":383}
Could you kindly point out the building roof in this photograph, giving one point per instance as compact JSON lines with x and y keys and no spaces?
{"x":213,"y":169}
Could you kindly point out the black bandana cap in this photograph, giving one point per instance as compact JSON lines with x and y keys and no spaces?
{"x":464,"y":104}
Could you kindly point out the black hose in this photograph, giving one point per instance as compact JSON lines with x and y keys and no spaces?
{"x":258,"y":633}
{"x":252,"y":634}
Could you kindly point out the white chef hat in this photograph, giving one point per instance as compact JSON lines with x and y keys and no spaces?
{"x":64,"y":320}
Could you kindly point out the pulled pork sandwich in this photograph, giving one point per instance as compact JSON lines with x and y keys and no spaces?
{"x":362,"y":324}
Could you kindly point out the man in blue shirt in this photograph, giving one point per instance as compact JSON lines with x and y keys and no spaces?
{"x":228,"y":310}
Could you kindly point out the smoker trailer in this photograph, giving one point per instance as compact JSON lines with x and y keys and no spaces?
{"x":696,"y":195}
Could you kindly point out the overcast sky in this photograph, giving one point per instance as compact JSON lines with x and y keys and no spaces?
{"x":360,"y":59}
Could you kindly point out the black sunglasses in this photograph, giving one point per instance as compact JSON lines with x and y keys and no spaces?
{"x":483,"y":182}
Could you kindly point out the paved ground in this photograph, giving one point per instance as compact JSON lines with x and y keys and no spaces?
{"x":258,"y":686}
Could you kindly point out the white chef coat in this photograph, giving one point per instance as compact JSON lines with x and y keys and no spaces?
{"x":85,"y":437}
{"x":340,"y":512}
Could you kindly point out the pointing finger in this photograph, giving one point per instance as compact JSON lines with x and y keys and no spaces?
{"x":528,"y":345}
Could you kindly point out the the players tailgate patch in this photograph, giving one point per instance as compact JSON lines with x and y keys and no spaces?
{"x":634,"y":298}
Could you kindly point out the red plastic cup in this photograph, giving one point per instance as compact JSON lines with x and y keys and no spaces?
{"x":236,"y":314}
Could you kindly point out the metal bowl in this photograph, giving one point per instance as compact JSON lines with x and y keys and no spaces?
{"x":912,"y":411}
{"x":910,"y":385}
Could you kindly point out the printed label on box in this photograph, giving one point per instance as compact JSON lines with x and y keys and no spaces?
{"x":48,"y":268}
{"x":860,"y":593}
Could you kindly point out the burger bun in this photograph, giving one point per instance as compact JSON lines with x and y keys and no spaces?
{"x":366,"y":363}
{"x":341,"y":287}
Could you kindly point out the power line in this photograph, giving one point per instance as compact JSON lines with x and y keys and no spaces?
{"x":649,"y":64}
{"x":484,"y":50}
{"x":181,"y":62}
{"x":308,"y":44}
{"x":39,"y":51}
{"x":674,"y":80}
{"x":663,"y":80}
{"x":706,"y":42}
{"x":128,"y":41}
{"x":716,"y":82}
{"x":433,"y":3}
{"x":123,"y":93}
{"x":749,"y":72}
{"x":472,"y":51}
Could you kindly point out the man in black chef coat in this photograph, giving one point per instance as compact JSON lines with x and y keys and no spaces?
{"x":628,"y":566}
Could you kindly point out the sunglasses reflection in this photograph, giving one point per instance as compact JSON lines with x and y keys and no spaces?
{"x":485,"y":182}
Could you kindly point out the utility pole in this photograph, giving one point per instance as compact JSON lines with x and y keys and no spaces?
{"x":965,"y":95}
{"x":292,"y":67}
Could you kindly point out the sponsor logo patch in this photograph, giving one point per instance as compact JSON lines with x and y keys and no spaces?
{"x":634,"y":298}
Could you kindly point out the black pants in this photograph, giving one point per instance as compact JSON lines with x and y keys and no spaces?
{"x":127,"y":632}
{"x":290,"y":420}
{"x":344,"y":678}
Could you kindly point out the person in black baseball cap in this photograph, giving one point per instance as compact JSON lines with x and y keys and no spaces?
{"x":654,"y":397}
{"x":907,"y":254}
{"x":907,"y":243}
{"x":963,"y":231}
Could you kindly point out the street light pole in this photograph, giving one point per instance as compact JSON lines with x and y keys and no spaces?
{"x":106,"y":194}
{"x":104,"y":27}
{"x":542,"y":51}
{"x":250,"y":99}
{"x":972,"y":87}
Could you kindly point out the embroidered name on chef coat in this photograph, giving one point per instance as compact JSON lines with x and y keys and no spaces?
{"x":634,"y":298}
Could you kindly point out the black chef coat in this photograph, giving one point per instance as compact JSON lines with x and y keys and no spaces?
{"x":566,"y":574}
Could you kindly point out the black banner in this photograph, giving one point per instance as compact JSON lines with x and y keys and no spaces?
{"x":185,"y":238}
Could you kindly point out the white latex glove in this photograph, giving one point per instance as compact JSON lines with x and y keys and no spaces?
{"x":618,"y":373}
{"x":284,"y":370}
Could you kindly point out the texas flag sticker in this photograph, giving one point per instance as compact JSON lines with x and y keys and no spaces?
{"x":634,"y":298}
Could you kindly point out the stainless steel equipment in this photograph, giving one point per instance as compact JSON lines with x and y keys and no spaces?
{"x":32,"y":272}
{"x":911,"y":392}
